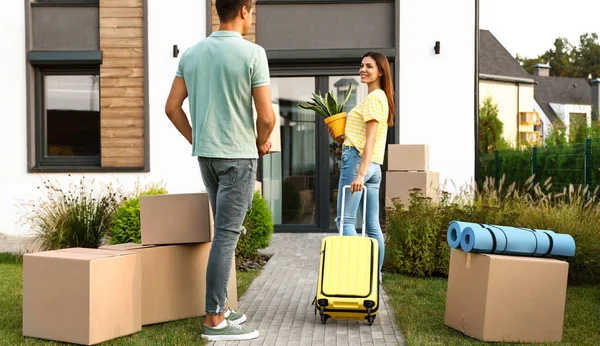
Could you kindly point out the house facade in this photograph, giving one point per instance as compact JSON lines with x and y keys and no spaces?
{"x":511,"y":88}
{"x":85,"y":82}
{"x":563,"y":100}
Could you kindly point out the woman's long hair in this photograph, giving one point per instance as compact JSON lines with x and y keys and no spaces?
{"x":386,"y":82}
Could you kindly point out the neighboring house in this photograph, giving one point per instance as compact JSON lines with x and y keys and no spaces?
{"x":511,"y":88}
{"x":84,"y":84}
{"x":560,"y":100}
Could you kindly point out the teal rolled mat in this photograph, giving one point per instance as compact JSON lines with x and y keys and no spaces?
{"x":507,"y":240}
{"x":454,"y":234}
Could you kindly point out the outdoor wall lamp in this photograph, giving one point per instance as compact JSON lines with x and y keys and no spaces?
{"x":436,"y":48}
{"x":175,"y":51}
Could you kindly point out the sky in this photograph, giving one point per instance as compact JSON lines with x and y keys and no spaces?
{"x":529,"y":27}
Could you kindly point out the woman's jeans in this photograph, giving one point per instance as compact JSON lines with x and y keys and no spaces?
{"x":230,"y":187}
{"x":350,"y":163}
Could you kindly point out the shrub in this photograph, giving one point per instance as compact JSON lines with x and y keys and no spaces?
{"x":77,"y":217}
{"x":259,"y":228}
{"x":416,"y":236}
{"x":126,"y":227}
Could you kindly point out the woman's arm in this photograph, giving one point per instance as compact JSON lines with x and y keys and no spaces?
{"x":357,"y":184}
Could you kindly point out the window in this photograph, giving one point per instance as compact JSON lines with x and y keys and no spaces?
{"x":80,"y":87}
{"x":68,"y":117}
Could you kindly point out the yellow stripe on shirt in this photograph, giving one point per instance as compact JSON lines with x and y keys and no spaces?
{"x":373,"y":107}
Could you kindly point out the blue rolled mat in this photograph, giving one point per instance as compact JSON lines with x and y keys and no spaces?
{"x":562,"y":245}
{"x":454,"y":234}
{"x":482,"y":238}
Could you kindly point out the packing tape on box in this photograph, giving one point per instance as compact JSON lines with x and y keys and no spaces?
{"x":506,"y":240}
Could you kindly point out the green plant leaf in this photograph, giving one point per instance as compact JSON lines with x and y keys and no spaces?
{"x":314,"y":108}
{"x":341,"y":109}
{"x":331,"y":104}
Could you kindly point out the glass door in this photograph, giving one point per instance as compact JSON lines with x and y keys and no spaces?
{"x":290,"y":176}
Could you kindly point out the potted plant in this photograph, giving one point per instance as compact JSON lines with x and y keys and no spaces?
{"x":333,"y":113}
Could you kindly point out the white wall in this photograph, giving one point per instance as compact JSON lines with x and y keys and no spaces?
{"x":180,"y":22}
{"x":436,"y":92}
{"x":547,"y":124}
{"x":564,"y":110}
{"x":504,"y":95}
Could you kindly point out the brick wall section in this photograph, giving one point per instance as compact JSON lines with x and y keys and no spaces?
{"x":122,"y":83}
{"x":215,"y":23}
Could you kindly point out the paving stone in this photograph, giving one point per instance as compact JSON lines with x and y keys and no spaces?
{"x":278,"y":302}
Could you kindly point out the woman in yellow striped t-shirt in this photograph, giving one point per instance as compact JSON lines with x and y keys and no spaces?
{"x":364,"y":146}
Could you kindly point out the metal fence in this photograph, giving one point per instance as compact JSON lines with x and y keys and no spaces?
{"x":572,"y":163}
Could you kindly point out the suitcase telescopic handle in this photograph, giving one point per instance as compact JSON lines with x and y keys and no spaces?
{"x":364,"y":221}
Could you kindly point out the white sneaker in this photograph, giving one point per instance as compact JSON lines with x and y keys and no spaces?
{"x":232,"y":332}
{"x":235,"y":317}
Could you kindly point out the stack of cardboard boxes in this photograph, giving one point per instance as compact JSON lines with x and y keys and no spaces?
{"x":87,"y":296}
{"x":408,"y":168}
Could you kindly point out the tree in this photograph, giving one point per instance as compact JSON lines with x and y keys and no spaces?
{"x":566,"y":60}
{"x":490,"y":128}
{"x":586,"y":57}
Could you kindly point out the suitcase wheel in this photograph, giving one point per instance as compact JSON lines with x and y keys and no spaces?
{"x":324,"y":318}
{"x":370,"y":319}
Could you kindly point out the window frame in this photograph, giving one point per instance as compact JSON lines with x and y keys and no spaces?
{"x":42,"y":160}
{"x":78,"y":3}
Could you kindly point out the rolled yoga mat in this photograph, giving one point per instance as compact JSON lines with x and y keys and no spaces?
{"x":482,"y":238}
{"x":454,"y":234}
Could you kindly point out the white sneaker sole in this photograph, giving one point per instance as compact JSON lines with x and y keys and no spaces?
{"x":249,"y":336}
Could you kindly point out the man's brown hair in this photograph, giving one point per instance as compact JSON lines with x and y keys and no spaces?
{"x":228,"y":9}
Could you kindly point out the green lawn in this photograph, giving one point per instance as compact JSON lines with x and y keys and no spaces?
{"x":420,"y":303}
{"x":184,"y":332}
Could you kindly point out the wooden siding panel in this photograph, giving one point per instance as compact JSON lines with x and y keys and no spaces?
{"x":122,"y":84}
{"x":125,"y":12}
{"x":123,"y":113}
{"x":122,"y":62}
{"x":121,"y":162}
{"x":118,"y":102}
{"x":106,"y":72}
{"x":122,"y":33}
{"x":121,"y":22}
{"x":123,"y":122}
{"x":128,"y":132}
{"x":122,"y":3}
{"x":122,"y":142}
{"x":122,"y":53}
{"x":121,"y":42}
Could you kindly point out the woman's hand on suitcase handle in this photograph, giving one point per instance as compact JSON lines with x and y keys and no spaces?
{"x":358,"y":183}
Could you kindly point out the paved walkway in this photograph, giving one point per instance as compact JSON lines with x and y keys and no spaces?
{"x":278,"y":302}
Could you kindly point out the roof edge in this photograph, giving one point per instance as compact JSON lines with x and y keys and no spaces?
{"x":497,"y":78}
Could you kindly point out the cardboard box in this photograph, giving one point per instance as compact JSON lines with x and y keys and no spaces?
{"x":399,"y":184}
{"x":174,"y":280}
{"x":176,"y":219}
{"x":408,"y":157}
{"x":506,"y":298}
{"x":82,"y":296}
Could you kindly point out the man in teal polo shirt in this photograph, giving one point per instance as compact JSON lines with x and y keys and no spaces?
{"x":222,"y":75}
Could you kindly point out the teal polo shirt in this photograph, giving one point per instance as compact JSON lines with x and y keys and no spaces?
{"x":219,"y":73}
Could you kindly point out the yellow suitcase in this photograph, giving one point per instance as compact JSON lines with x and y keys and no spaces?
{"x":348,"y":283}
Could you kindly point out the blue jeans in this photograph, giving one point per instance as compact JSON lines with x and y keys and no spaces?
{"x":350,"y":163}
{"x":230,"y":187}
